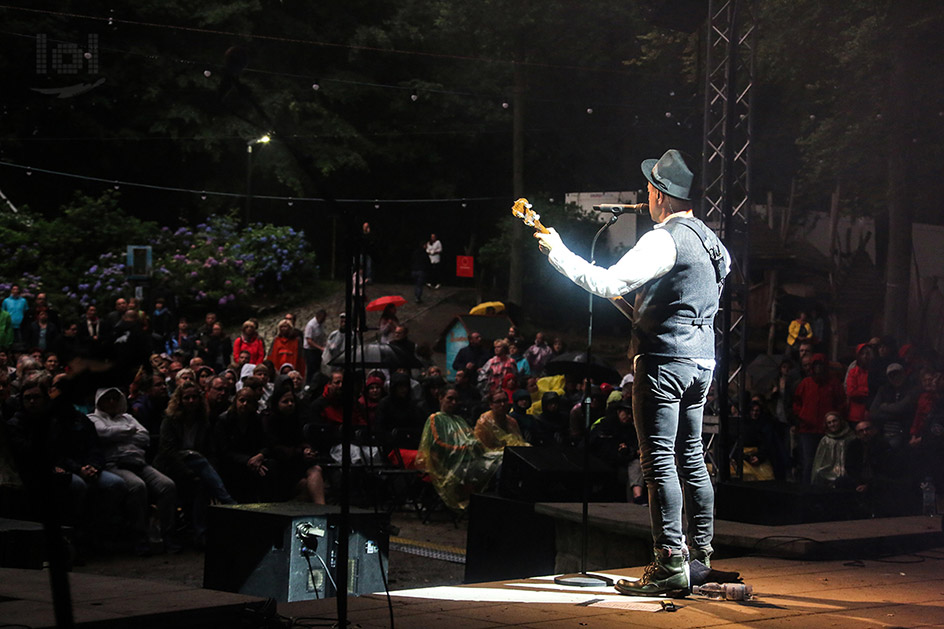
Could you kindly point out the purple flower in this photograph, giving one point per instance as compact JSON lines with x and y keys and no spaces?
{"x":222,"y":301}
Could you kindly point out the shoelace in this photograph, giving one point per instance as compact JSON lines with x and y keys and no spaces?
{"x":648,"y":572}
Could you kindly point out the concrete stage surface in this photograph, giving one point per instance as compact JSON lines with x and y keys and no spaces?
{"x":900,"y":591}
{"x":896,"y":591}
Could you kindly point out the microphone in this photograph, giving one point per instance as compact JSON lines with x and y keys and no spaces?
{"x":620,"y":208}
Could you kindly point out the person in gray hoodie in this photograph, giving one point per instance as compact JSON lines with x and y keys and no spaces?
{"x":124,"y":442}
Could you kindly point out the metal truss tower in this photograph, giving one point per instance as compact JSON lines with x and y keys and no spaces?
{"x":726,"y":178}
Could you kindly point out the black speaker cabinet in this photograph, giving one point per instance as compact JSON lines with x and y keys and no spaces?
{"x":256,"y":549}
{"x":553,"y":474}
{"x":493,"y":555}
{"x":775,"y":503}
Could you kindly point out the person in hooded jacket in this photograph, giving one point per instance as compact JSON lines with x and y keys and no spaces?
{"x":124,"y":443}
{"x":829,"y":464}
{"x":59,"y":458}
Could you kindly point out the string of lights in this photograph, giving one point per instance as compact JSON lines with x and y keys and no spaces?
{"x":208,"y":69}
{"x":204,"y":194}
{"x":111,"y":20}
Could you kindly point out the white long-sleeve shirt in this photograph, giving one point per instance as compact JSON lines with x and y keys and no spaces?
{"x":653,"y":256}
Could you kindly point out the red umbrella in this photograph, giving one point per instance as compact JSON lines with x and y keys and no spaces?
{"x":382,"y":302}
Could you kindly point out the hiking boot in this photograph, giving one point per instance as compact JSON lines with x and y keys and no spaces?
{"x":702,"y":554}
{"x":667,"y":575}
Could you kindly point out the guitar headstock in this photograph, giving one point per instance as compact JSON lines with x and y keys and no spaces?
{"x":522,"y":210}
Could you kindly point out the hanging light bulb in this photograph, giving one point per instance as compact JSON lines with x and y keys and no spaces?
{"x":316,"y":86}
{"x":207,"y":73}
{"x":414,"y":96}
{"x":505,"y":105}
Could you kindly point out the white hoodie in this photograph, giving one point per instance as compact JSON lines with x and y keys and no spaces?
{"x":122,"y":437}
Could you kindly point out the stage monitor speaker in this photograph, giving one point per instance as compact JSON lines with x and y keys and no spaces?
{"x":776,"y":503}
{"x":492,"y":554}
{"x":552,"y":474}
{"x":256,"y":549}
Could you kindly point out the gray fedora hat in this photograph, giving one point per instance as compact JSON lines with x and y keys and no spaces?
{"x":670,"y":174}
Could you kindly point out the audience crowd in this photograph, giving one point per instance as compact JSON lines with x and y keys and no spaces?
{"x":181,"y":417}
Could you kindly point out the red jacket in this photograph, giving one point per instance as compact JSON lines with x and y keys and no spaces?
{"x":812,"y":400}
{"x":857,"y":390}
{"x":255,"y":348}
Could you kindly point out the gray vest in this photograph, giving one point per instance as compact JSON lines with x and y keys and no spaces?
{"x":675,"y":313}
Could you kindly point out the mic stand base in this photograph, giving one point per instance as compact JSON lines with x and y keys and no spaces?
{"x":583,"y":580}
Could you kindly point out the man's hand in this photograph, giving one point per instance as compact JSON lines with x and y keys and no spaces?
{"x":547,"y":242}
{"x":88,"y":471}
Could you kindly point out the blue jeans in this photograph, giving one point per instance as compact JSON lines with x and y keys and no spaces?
{"x":668,"y":403}
{"x":210,"y":487}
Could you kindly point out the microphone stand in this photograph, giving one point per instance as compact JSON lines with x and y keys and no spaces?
{"x":583,"y":578}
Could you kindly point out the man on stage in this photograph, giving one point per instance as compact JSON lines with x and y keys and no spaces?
{"x":677,"y":271}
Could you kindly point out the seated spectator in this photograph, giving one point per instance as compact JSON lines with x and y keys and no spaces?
{"x":51,"y":364}
{"x":493,"y":372}
{"x":457,"y":463}
{"x":470,"y":398}
{"x":217,"y":397}
{"x":758,"y":438}
{"x":124,"y":442}
{"x":538,"y":354}
{"x":871,"y":471}
{"x":329,"y":408}
{"x":550,"y":427}
{"x":293,"y":461}
{"x":829,"y":464}
{"x":60,"y":461}
{"x":148,"y":403}
{"x":520,"y":403}
{"x":521,"y":361}
{"x":204,"y":374}
{"x":185,"y":448}
{"x":398,"y":411}
{"x":613,"y":440}
{"x":286,"y":347}
{"x":239,"y":442}
{"x":371,"y":398}
{"x":495,"y":429}
{"x":430,"y":388}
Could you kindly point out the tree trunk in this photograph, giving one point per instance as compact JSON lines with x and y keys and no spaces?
{"x":900,"y":207}
{"x":515,"y":270}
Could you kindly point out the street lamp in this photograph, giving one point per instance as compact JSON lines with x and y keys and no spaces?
{"x":249,"y":144}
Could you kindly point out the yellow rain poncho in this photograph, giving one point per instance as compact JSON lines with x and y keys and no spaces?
{"x":455,"y":460}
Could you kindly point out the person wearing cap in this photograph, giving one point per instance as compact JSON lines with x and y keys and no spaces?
{"x":815,"y":396}
{"x":893,"y":408}
{"x":677,"y":271}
